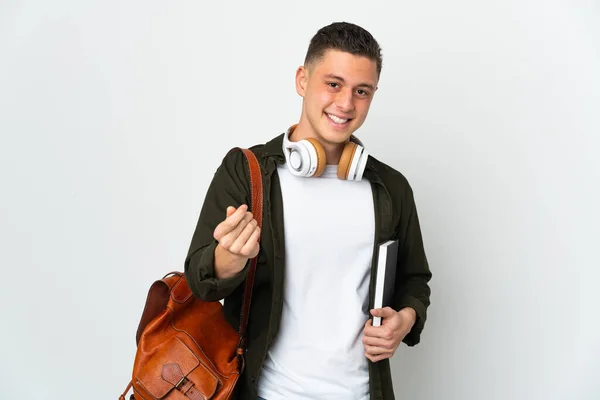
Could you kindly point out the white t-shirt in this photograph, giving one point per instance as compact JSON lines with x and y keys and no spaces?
{"x":329,"y":236}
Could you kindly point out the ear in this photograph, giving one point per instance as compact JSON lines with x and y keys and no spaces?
{"x":301,"y":80}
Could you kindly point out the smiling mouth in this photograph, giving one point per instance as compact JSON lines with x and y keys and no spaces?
{"x":337,"y":120}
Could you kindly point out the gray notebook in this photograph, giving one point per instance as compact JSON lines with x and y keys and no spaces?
{"x":385,"y":277}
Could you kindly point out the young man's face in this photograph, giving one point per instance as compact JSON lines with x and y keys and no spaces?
{"x":337,"y":92}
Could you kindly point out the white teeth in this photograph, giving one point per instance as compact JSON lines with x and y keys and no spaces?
{"x":337,"y":120}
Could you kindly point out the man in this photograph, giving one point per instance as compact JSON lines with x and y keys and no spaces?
{"x":327,"y":207}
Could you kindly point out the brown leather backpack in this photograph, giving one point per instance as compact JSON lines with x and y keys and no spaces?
{"x":186,"y":350}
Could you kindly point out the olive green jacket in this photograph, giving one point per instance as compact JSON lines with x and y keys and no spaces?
{"x":395,"y":218}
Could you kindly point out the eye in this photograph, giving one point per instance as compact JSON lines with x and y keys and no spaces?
{"x":363,"y":92}
{"x":333,"y":85}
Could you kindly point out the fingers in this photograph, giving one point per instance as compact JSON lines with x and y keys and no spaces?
{"x":252,"y":247}
{"x":376,"y":347}
{"x":244,"y":230}
{"x":384,"y":344}
{"x":378,"y":351}
{"x":381,"y":342}
{"x":239,"y":233}
{"x":381,"y":332}
{"x":231,"y":221}
{"x":377,"y":354}
{"x":377,"y":340}
{"x":229,"y":239}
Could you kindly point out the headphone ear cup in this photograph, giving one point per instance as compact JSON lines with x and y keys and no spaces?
{"x":357,"y":159}
{"x":346,"y":160}
{"x":361,"y":164}
{"x":321,"y":157}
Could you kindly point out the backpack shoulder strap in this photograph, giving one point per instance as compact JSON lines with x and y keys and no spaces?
{"x":256,"y":207}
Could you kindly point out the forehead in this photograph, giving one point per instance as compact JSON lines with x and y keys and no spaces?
{"x":352,"y":68}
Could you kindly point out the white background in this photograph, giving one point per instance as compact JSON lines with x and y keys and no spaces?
{"x":115,"y":114}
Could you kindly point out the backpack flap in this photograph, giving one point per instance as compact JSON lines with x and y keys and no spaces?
{"x":176,"y":367}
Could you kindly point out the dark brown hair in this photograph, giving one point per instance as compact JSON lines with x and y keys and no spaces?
{"x":347,"y":37}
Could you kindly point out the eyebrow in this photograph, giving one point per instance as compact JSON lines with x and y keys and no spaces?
{"x":339,"y":78}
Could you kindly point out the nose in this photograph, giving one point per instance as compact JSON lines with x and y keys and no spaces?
{"x":345,"y":101}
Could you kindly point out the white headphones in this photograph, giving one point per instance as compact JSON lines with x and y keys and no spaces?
{"x":307,"y":158}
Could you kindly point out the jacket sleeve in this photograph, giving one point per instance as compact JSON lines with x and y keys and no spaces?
{"x":413,"y":273}
{"x":228,"y":187}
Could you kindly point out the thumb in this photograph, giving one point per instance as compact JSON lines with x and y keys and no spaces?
{"x":230,"y":211}
{"x":385,"y":312}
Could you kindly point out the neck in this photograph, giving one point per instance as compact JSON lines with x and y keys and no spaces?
{"x":333,"y":151}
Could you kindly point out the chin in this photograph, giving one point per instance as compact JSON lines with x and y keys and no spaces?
{"x":334,"y":137}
